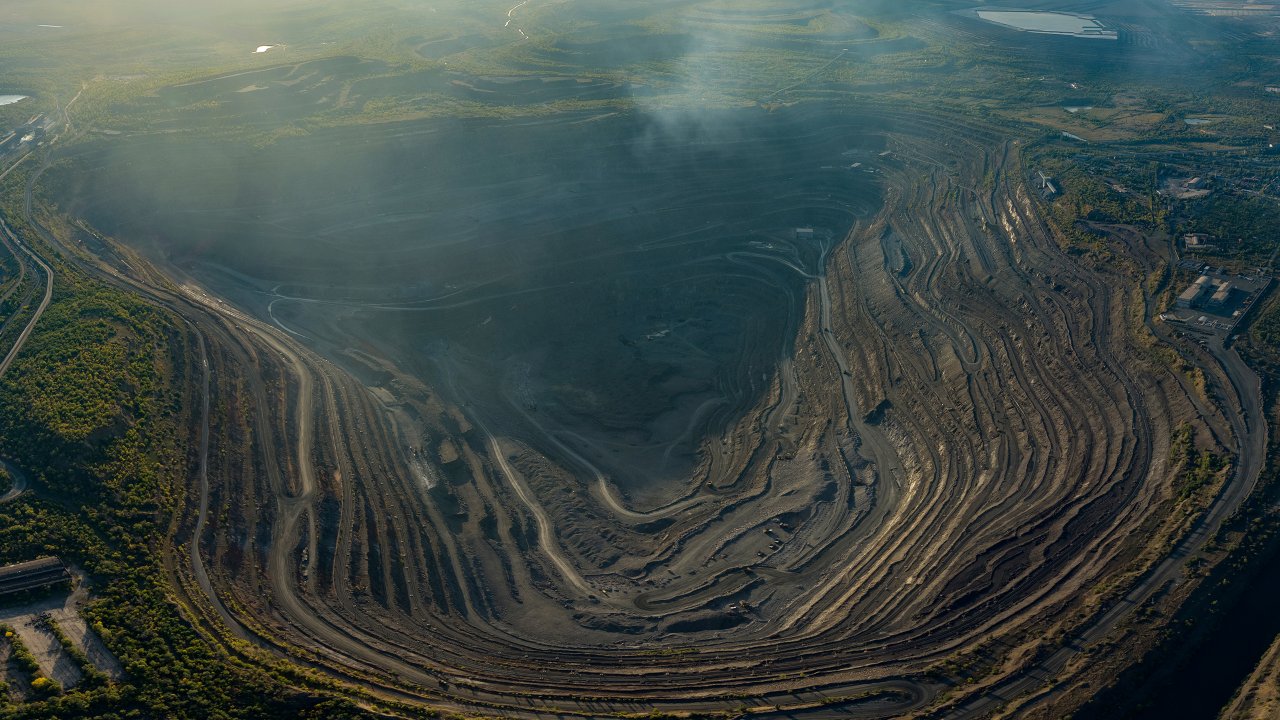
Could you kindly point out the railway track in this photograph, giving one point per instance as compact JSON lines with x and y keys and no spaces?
{"x":40,"y":308}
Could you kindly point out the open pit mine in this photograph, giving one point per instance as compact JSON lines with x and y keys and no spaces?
{"x":934,"y":433}
{"x":696,"y":360}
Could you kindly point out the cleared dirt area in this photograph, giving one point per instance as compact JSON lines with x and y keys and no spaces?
{"x":84,"y":638}
{"x":9,"y":673}
{"x":33,"y":623}
{"x":53,"y":659}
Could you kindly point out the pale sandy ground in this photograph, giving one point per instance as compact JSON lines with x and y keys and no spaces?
{"x":1259,"y":697}
{"x":53,"y":660}
{"x":15,"y":691}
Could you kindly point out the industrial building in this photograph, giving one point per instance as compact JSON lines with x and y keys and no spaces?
{"x":1198,"y":242}
{"x":1193,"y":295}
{"x":1048,"y":189}
{"x":1220,"y":297}
{"x":32,"y":575}
{"x":1206,"y":292}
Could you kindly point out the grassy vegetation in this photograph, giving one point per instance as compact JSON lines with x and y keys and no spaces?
{"x":1199,"y":468}
{"x":93,"y":405}
{"x":1243,"y":226}
{"x":1266,"y":329}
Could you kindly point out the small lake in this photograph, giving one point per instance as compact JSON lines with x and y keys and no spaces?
{"x":1056,"y":23}
{"x":11,"y":99}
